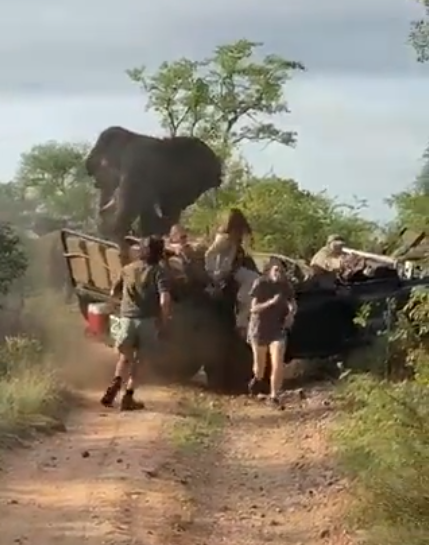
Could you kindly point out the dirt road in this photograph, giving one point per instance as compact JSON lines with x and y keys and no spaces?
{"x":191,"y":470}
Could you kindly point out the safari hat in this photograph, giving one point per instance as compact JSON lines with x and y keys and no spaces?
{"x":335,"y":238}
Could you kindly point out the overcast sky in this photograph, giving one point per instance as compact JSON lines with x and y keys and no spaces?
{"x":360,"y":110}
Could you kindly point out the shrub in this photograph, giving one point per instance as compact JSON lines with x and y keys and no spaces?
{"x":31,"y":395}
{"x":383,"y":437}
{"x":13,"y":260}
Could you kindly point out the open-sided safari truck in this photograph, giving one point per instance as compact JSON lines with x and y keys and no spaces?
{"x":201,"y":333}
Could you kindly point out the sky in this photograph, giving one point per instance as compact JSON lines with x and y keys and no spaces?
{"x":360,"y":109}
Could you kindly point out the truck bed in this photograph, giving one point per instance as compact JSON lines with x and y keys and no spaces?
{"x":93,"y":264}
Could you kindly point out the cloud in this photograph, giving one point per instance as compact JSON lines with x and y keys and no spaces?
{"x":356,"y":136}
{"x":82,"y":46}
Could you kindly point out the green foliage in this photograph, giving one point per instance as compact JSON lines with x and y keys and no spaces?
{"x":383,"y":439}
{"x":285,"y":218}
{"x":229,"y":98}
{"x":412,"y":205}
{"x":13,"y":260}
{"x":419,"y":35}
{"x":16,"y":352}
{"x":52,"y":179}
{"x":31,"y":397}
{"x":224,"y":99}
{"x":199,"y":425}
{"x":13,"y":207}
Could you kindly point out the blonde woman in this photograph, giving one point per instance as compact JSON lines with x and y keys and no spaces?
{"x":225,"y":258}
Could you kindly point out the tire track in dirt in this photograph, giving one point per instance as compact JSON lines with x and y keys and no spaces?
{"x":127,"y":479}
{"x":86,"y":485}
{"x":272,"y":479}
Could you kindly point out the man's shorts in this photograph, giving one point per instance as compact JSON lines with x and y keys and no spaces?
{"x":140,"y":334}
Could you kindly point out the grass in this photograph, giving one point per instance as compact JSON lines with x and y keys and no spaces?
{"x":383,"y":446}
{"x":200,"y":421}
{"x":382,"y":436}
{"x":32,"y":397}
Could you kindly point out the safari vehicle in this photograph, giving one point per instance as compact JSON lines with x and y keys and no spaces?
{"x":202,"y":331}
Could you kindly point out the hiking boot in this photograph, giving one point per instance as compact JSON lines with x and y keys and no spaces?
{"x":254,"y":387}
{"x":128,"y":403}
{"x":110,"y":395}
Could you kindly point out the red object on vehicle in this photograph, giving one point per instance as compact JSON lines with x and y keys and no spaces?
{"x":98,"y":319}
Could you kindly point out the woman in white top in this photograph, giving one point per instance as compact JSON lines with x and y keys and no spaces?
{"x":224,"y":258}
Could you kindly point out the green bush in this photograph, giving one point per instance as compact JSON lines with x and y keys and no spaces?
{"x":13,"y":260}
{"x":31,"y":394}
{"x":383,"y":438}
{"x":395,"y":353}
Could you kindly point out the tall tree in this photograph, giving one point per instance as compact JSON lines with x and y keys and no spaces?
{"x":13,"y":208}
{"x":419,"y":35}
{"x":13,"y":260}
{"x":52,"y":177}
{"x":226,"y":99}
{"x":412,"y":205}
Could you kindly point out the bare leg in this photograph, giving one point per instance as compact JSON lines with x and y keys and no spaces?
{"x":128,"y":402}
{"x":277,"y":352}
{"x":131,"y":381}
{"x":121,"y":369}
{"x":116,"y":384}
{"x":259,"y":364}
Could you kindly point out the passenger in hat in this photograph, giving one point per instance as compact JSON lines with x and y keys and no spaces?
{"x":178,"y":242}
{"x":145,"y":304}
{"x":330,"y":258}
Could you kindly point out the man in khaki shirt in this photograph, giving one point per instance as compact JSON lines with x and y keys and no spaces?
{"x":330,"y":258}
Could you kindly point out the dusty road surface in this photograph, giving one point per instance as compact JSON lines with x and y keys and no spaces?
{"x":191,"y":470}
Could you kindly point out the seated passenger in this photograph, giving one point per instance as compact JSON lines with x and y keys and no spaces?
{"x":178,"y":242}
{"x":224,"y":258}
{"x":331,"y":257}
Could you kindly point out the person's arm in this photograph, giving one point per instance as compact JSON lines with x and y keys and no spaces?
{"x":163,"y":288}
{"x":118,"y":285}
{"x":219,"y":257}
{"x":255,"y":306}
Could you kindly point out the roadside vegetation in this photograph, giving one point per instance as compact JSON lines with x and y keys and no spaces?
{"x":32,"y":396}
{"x":383,"y":433}
{"x":200,"y":421}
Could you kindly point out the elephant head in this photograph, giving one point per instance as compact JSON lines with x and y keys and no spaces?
{"x":149,"y":178}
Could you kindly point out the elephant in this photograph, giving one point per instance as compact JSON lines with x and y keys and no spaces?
{"x":152,"y":179}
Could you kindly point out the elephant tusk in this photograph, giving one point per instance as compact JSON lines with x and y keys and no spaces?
{"x":108,"y":206}
{"x":158,"y":210}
